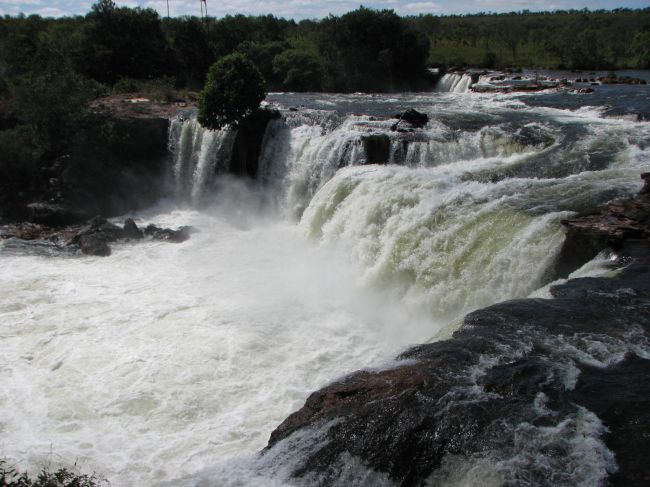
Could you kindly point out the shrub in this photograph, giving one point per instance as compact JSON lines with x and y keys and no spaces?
{"x":10,"y":477}
{"x":234,"y":89}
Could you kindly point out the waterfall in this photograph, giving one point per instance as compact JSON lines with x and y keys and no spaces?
{"x":454,"y":83}
{"x":302,"y":151}
{"x":388,"y":234}
{"x":198,"y":155}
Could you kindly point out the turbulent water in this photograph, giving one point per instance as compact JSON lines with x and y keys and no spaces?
{"x":171,"y":364}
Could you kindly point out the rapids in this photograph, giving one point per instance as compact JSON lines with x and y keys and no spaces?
{"x":169,"y":365}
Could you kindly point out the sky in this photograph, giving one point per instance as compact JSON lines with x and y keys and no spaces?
{"x":302,"y":9}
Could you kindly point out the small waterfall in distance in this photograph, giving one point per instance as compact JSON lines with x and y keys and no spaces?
{"x":454,"y":83}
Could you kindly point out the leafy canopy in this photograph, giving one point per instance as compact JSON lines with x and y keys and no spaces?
{"x":234,"y":89}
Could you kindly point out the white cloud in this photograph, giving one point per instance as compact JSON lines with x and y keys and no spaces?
{"x":422,"y":7}
{"x":300,"y":9}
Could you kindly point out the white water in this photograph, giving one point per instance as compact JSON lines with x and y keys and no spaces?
{"x":167,"y":358}
{"x":454,"y":83}
{"x":177,"y":361}
{"x":199,"y":154}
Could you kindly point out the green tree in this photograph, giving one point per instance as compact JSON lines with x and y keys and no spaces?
{"x":234,"y":89}
{"x":123,"y":43}
{"x":371,"y":50}
{"x":642,"y":50}
{"x":298,"y":70}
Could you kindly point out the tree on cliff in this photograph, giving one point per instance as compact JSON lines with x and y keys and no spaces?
{"x":234,"y":89}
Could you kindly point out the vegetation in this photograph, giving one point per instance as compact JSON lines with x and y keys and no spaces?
{"x":554,"y":40}
{"x":233,"y":90}
{"x":10,"y":477}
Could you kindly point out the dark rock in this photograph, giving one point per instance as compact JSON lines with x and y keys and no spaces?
{"x":55,"y":215}
{"x":377,"y":148}
{"x":131,"y":230}
{"x":151,"y":229}
{"x":610,"y":227}
{"x":94,"y":244}
{"x":248,"y":142}
{"x":174,"y":236}
{"x":413,"y":117}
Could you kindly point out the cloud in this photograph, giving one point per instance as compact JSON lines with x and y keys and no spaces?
{"x":421,"y":7}
{"x":301,"y":9}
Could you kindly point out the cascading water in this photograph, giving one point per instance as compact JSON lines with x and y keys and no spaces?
{"x":170,"y":365}
{"x":454,"y":83}
{"x":199,"y":154}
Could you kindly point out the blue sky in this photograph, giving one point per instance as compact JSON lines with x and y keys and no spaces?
{"x":300,"y":9}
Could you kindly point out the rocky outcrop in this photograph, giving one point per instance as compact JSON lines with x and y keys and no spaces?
{"x":530,"y":391}
{"x":116,"y":163}
{"x":169,"y":235}
{"x":609,"y":227}
{"x":613,"y":79}
{"x":411,"y":118}
{"x":248,"y":142}
{"x":93,"y":237}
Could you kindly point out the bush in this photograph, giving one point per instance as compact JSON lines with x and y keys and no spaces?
{"x":234,"y":89}
{"x":161,"y":89}
{"x":10,"y":477}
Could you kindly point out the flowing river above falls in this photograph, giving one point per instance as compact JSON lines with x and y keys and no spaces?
{"x":171,"y":364}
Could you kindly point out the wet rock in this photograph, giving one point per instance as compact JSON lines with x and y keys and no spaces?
{"x":248,"y":142}
{"x":412,"y":117}
{"x":55,"y":215}
{"x":376,"y":148}
{"x":609,"y":227}
{"x":92,"y":238}
{"x":613,"y":79}
{"x":174,"y":236}
{"x":131,"y":230}
{"x":151,"y":229}
{"x":94,"y":244}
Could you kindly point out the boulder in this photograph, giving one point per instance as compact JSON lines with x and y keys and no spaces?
{"x":151,"y":229}
{"x":413,"y":117}
{"x":174,"y":236}
{"x":94,"y":244}
{"x":131,"y":230}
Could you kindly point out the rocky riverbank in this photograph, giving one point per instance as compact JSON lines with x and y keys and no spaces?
{"x":530,"y":391}
{"x":91,"y":238}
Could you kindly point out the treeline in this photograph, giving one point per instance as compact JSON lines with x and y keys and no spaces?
{"x":576,"y":39}
{"x":362,"y":50}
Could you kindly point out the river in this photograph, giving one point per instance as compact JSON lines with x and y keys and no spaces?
{"x":171,"y":364}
